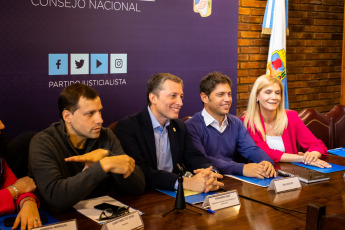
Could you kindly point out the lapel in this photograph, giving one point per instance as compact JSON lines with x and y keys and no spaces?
{"x":174,"y":145}
{"x":148,"y":135}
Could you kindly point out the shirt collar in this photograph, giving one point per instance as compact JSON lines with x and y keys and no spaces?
{"x":155,"y":123}
{"x":208,"y":119}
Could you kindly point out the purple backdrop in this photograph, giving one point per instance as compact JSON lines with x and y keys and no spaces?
{"x":157,"y":36}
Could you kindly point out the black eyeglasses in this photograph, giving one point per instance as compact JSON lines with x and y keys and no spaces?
{"x":119,"y":211}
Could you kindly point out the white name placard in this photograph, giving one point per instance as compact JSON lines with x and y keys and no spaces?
{"x":221,"y":200}
{"x":285,"y":184}
{"x":126,"y":222}
{"x":66,"y":225}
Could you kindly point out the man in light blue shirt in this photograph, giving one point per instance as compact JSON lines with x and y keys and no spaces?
{"x":158,"y":140}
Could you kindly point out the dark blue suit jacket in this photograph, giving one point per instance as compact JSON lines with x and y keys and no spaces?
{"x":136,"y":135}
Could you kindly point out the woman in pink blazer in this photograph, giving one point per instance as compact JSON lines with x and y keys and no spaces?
{"x":276,"y":130}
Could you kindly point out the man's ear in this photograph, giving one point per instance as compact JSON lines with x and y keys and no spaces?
{"x":66,"y":115}
{"x":204,"y":97}
{"x":153,"y":98}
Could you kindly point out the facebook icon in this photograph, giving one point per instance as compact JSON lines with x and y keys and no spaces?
{"x":58,"y":64}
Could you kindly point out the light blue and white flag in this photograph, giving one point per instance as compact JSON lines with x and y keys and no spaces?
{"x":268,"y":17}
{"x":276,"y":61}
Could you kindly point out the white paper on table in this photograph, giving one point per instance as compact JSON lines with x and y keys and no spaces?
{"x":86,"y":207}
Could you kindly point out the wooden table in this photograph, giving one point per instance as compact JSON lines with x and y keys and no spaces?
{"x":248,"y":215}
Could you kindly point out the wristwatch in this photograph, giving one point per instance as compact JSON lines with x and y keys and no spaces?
{"x":188,"y":174}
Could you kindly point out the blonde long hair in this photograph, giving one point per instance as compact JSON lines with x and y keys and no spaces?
{"x":253,"y":119}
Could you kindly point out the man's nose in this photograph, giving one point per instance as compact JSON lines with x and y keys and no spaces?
{"x":99,"y":119}
{"x":227,"y":97}
{"x":179,"y":101}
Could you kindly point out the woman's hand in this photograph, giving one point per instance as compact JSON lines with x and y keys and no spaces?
{"x":309,"y":157}
{"x":28,"y":216}
{"x":320,"y":163}
{"x":25,"y":184}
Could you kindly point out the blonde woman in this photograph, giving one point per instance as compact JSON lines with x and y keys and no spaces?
{"x":276,"y":130}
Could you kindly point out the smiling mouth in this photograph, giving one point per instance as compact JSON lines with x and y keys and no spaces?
{"x":175,"y":109}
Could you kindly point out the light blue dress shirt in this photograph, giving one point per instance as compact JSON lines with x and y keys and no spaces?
{"x":163,"y":151}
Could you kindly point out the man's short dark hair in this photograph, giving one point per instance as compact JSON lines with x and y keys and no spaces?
{"x":154,"y":85}
{"x":69,"y":97}
{"x":211,"y":80}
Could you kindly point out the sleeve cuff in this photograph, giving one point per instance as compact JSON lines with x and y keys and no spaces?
{"x":215,"y":171}
{"x":238,"y":169}
{"x":176,"y":185}
{"x":24,"y":195}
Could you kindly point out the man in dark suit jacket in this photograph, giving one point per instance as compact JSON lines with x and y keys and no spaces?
{"x":158,"y":140}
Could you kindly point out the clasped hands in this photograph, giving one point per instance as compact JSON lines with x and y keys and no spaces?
{"x":204,"y":180}
{"x":261,"y":170}
{"x":121,"y":164}
{"x":312,"y":158}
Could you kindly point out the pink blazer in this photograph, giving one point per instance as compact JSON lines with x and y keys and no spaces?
{"x":296,"y":132}
{"x":7,"y":206}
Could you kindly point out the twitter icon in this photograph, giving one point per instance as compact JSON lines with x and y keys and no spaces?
{"x":79,"y":64}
